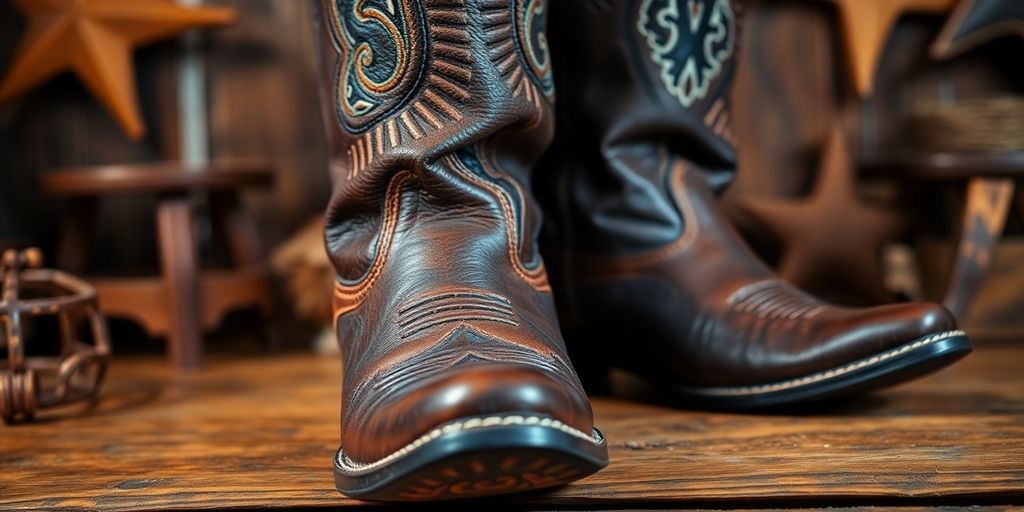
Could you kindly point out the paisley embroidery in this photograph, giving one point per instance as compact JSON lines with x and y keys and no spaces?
{"x":433,"y":93}
{"x":379,"y":42}
{"x":689,"y":41}
{"x":532,"y":43}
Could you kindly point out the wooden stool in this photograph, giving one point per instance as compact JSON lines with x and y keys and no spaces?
{"x":990,"y":179}
{"x":183,"y":302}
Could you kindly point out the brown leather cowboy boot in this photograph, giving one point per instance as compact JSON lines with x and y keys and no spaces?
{"x":645,"y":257}
{"x":456,"y":380}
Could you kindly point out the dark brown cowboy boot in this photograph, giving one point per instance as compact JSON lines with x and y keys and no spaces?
{"x":456,"y":379}
{"x":651,"y":277}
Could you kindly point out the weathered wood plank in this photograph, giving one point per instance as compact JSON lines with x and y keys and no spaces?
{"x":262,"y":432}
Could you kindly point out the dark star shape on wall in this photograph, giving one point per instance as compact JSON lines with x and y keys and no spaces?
{"x":976,"y":22}
{"x":832,"y":239}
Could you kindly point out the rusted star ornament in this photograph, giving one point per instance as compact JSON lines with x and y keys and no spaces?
{"x":94,"y":39}
{"x":866,"y":25}
{"x":976,"y":22}
{"x":832,"y":239}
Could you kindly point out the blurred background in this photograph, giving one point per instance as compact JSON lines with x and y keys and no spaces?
{"x":925,"y":208}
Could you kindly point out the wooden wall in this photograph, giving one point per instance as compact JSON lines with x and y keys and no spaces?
{"x":264,"y":103}
{"x":792,"y":85}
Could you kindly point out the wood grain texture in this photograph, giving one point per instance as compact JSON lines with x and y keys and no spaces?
{"x":263,"y":103}
{"x":261,"y":433}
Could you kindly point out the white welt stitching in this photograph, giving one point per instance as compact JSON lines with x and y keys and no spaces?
{"x":818,"y":377}
{"x":474,"y":423}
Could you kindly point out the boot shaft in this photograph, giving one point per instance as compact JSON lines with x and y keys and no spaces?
{"x":456,"y":95}
{"x":645,"y":83}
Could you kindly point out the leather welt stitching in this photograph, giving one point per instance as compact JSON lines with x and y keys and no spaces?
{"x":349,"y":297}
{"x":691,"y":228}
{"x":537,"y":278}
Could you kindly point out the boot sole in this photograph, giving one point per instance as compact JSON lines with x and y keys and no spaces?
{"x":917,"y":358}
{"x":476,"y":457}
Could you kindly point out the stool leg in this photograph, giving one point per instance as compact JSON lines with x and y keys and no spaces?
{"x":178,"y":259}
{"x":76,"y":235}
{"x":243,"y":243}
{"x":240,"y":232}
{"x":988,"y":204}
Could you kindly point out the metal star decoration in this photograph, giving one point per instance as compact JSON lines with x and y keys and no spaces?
{"x":94,"y":39}
{"x":975,"y":22}
{"x":831,"y":239}
{"x":866,"y":26}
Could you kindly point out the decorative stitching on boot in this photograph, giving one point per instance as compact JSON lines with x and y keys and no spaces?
{"x":537,"y":278}
{"x":349,"y":297}
{"x":771,"y":300}
{"x":364,"y":97}
{"x":453,"y":306}
{"x":666,"y":28}
{"x":514,"y":35}
{"x":462,"y":344}
{"x":383,"y":119}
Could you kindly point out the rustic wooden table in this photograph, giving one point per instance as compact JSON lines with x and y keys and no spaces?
{"x":261,"y":433}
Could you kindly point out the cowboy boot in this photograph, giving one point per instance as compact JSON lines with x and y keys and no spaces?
{"x":645,"y":256}
{"x":456,"y":379}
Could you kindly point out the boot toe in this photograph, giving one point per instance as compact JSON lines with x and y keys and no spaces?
{"x":891,"y":326}
{"x":482,"y":391}
{"x":860,"y":350}
{"x":847,"y":336}
{"x":876,"y":332}
{"x":935,"y":319}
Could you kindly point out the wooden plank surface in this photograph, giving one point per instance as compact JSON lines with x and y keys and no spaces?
{"x":261,"y":433}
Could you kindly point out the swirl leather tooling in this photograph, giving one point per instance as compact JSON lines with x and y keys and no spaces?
{"x":532,"y":43}
{"x":381,"y":60}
